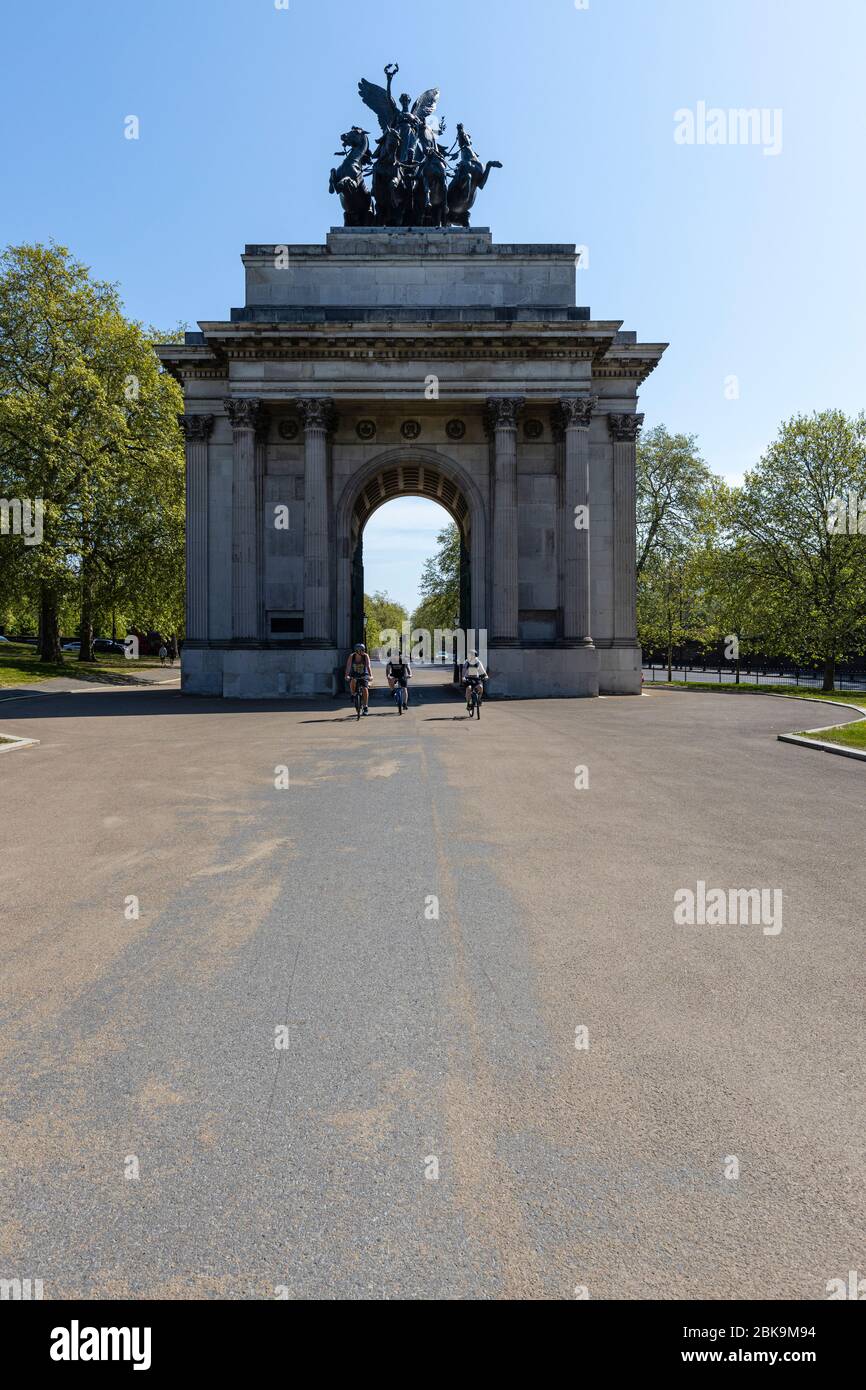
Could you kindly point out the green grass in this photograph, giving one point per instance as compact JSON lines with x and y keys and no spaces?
{"x":853,"y":735}
{"x":797,"y":692}
{"x":20,"y":665}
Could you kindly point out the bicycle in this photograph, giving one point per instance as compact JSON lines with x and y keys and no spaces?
{"x":357,"y":698}
{"x":476,"y":695}
{"x":399,"y":687}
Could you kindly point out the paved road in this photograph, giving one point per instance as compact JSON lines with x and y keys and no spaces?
{"x":412,"y":1041}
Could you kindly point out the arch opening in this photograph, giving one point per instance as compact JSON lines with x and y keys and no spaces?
{"x":410,"y":474}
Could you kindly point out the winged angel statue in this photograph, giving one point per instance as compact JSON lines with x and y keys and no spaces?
{"x":413,"y":183}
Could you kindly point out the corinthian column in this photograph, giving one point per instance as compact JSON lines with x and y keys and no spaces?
{"x":196,"y":432}
{"x":247,"y":418}
{"x":319,"y":419}
{"x":573,"y":416}
{"x":624,"y":431}
{"x":501,"y":422}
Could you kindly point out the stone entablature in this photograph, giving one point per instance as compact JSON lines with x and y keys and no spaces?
{"x":518,"y":417}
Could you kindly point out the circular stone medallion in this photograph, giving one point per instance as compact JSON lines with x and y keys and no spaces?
{"x":288,"y":429}
{"x":455,"y":429}
{"x":366,"y":429}
{"x":410,"y":429}
{"x":533,"y":429}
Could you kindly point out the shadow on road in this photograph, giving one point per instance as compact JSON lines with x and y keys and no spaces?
{"x":145,"y":700}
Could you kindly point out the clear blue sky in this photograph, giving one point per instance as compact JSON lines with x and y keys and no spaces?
{"x":750,"y":266}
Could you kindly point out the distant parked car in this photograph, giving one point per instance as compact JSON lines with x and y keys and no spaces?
{"x":108,"y":645}
{"x":71,"y":647}
{"x":4,"y":639}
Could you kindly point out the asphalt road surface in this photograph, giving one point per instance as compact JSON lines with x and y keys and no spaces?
{"x":288,"y":1075}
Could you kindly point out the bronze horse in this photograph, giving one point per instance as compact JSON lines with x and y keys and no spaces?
{"x":392,"y":189}
{"x":470,"y":176}
{"x":348,"y":179}
{"x":431,"y":179}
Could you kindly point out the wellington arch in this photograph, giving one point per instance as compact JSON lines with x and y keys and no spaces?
{"x":394,"y":361}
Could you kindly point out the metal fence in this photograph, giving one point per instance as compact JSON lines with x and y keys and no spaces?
{"x":800,"y":676}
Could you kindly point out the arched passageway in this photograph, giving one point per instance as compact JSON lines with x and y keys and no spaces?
{"x":407,"y":473}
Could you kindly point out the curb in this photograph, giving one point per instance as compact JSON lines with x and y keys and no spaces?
{"x":17,"y":743}
{"x":823,"y":747}
{"x":821,"y":744}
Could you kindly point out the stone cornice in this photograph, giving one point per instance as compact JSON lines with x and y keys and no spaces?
{"x":377,"y":343}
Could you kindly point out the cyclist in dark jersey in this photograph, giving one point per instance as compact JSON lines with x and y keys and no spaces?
{"x":359,"y":670}
{"x":399,"y":670}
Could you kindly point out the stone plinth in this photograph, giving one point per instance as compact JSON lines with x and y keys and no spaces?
{"x":385,"y":266}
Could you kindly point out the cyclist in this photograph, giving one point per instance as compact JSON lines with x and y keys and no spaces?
{"x":358,"y":669}
{"x":473,"y":674}
{"x":399,"y":671}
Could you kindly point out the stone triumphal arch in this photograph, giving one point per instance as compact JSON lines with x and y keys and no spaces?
{"x":394,"y":361}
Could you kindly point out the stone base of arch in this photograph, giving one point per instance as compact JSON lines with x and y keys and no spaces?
{"x":548,"y":673}
{"x":524,"y":673}
{"x":261,"y":673}
{"x":619,"y":670}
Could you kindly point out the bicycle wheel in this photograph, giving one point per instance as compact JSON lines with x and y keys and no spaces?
{"x":358,"y":702}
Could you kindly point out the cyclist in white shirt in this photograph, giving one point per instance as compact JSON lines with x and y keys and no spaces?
{"x":473,"y":670}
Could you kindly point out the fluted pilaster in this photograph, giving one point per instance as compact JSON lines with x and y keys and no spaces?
{"x":572,"y":418}
{"x":501,"y":423}
{"x":248,"y":419}
{"x":196,"y":432}
{"x":624,"y":430}
{"x":319,"y":419}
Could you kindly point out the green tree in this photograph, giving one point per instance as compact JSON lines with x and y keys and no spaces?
{"x":812,"y":571}
{"x":672,"y":485}
{"x":439,"y":585}
{"x":381,"y":614}
{"x":86,"y":423}
{"x":736,"y":606}
{"x":671,"y":601}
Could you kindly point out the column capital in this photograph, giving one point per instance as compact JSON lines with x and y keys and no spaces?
{"x":245,"y":412}
{"x":624,"y":429}
{"x":572,"y":412}
{"x":317,"y":412}
{"x":502,"y":412}
{"x":196,"y":428}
